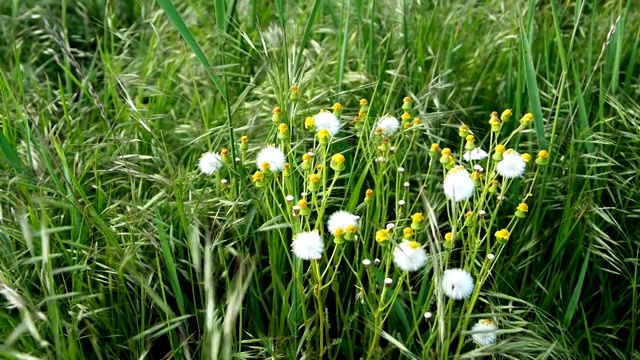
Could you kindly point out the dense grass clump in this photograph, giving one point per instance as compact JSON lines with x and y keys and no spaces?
{"x":141,"y":218}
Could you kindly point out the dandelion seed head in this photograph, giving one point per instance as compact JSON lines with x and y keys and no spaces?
{"x":401,"y":202}
{"x":512,"y":165}
{"x":308,"y":245}
{"x":366,"y":262}
{"x":427,"y":315}
{"x":458,"y":184}
{"x":388,"y":281}
{"x":289,"y":198}
{"x":457,"y":284}
{"x":341,"y":220}
{"x":327,"y":121}
{"x":409,"y":256}
{"x":388,"y":125}
{"x":476,"y":154}
{"x":406,"y":184}
{"x":390,"y":226}
{"x":209,"y":163}
{"x":484,"y":332}
{"x":491,"y":256}
{"x":271,"y":157}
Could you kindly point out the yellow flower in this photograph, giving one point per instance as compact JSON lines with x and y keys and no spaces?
{"x":302,"y":203}
{"x":470,"y":138}
{"x":339,"y":232}
{"x":500,"y":148}
{"x":351,"y":229}
{"x":323,"y":135}
{"x":448,"y":236}
{"x":337,"y":107}
{"x":338,"y":158}
{"x":258,"y":176}
{"x":542,"y":158}
{"x":523,"y":207}
{"x":407,"y":232}
{"x":294,"y":88}
{"x":405,"y":116}
{"x":526,"y":157}
{"x":414,"y":244}
{"x":406,"y":99}
{"x":276,"y":110}
{"x":446,"y":152}
{"x":506,"y":115}
{"x":363,"y":102}
{"x":543,"y":154}
{"x":417,"y":217}
{"x":314,"y":178}
{"x":468,"y":214}
{"x":502,"y":235}
{"x":306,"y":157}
{"x":283,"y":128}
{"x":309,"y":123}
{"x":368,"y":196}
{"x":416,"y":121}
{"x":362,"y":113}
{"x":435,"y":147}
{"x":526,"y":119}
{"x":406,"y":125}
{"x":244,"y":139}
{"x":224,"y":152}
{"x":265,"y":166}
{"x":383,"y":236}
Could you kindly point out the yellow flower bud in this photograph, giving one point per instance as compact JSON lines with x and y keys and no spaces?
{"x":523,"y":207}
{"x":405,"y":116}
{"x":446,"y":152}
{"x":416,"y":121}
{"x":383,"y":237}
{"x":309,"y":123}
{"x":502,"y":235}
{"x":506,"y":115}
{"x":526,"y":157}
{"x":283,"y":128}
{"x":500,"y":148}
{"x":414,"y":244}
{"x":407,"y":232}
{"x":363,"y":102}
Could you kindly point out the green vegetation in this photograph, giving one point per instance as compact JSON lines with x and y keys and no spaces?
{"x":114,"y":245}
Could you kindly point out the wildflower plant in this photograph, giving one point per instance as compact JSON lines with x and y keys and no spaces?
{"x":337,"y":195}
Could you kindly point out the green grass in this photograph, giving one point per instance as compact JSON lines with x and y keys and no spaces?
{"x":119,"y":248}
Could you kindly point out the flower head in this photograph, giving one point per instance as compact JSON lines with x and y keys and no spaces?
{"x":341,"y":220}
{"x":502,"y":235}
{"x":475,"y":154}
{"x":484,"y":332}
{"x":308,"y":245}
{"x":209,"y":163}
{"x":388,"y":125}
{"x":271,"y":158}
{"x":457,"y":284}
{"x":458,"y":184}
{"x":383,"y":236}
{"x":327,"y":121}
{"x":409,"y":256}
{"x":512,"y":165}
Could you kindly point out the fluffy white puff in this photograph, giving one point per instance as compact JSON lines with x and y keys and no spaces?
{"x":327,"y":120}
{"x":458,"y":184}
{"x":457,"y":284}
{"x":272,"y":156}
{"x":476,"y":154}
{"x":409,"y":256}
{"x":340,"y":220}
{"x":308,"y":245}
{"x":484,"y":332}
{"x":209,"y":163}
{"x":388,"y":124}
{"x":512,"y":165}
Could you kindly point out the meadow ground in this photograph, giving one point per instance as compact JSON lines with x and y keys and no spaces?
{"x":119,"y":240}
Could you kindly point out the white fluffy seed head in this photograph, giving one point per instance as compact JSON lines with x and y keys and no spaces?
{"x":458,"y":184}
{"x":457,"y":284}
{"x":388,"y":124}
{"x":484,"y":332}
{"x":512,"y":165}
{"x":308,"y":245}
{"x":476,"y":154}
{"x":340,"y":220}
{"x":272,"y":156}
{"x":326,"y":120}
{"x":209,"y":163}
{"x":409,"y":256}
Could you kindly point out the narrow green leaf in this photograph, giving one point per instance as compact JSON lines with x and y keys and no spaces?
{"x":10,"y":154}
{"x":573,"y":303}
{"x":532,"y":87}
{"x":170,"y":263}
{"x":172,"y":13}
